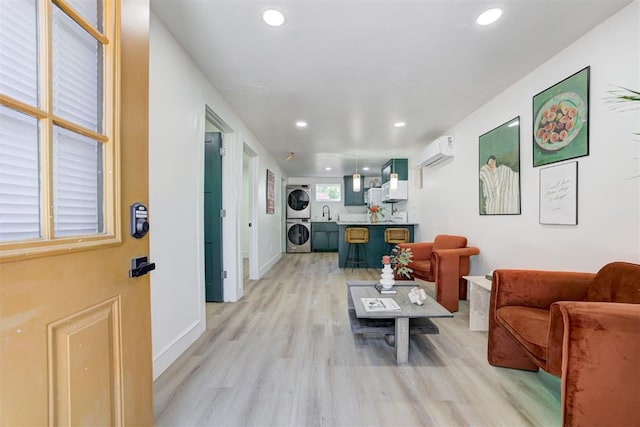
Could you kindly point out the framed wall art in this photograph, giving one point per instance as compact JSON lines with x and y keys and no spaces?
{"x":561,"y":120}
{"x":499,"y":170}
{"x":271,"y":184}
{"x":559,"y":194}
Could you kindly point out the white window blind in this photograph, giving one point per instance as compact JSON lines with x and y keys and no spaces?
{"x":77,"y":160}
{"x":77,"y":189}
{"x":90,"y":10}
{"x":77,"y":73}
{"x":19,"y":171}
{"x":19,"y":176}
{"x":19,"y":50}
{"x":76,"y":81}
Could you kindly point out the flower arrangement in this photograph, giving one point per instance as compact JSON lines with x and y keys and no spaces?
{"x":399,"y":260}
{"x":376,"y":209}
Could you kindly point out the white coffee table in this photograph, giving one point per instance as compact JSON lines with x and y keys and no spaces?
{"x":479,"y":294}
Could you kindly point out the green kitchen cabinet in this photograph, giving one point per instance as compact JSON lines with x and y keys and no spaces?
{"x":399,"y":166}
{"x":324,"y":237}
{"x":353,"y":198}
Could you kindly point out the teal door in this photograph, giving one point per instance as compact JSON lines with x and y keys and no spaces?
{"x":212,"y":217}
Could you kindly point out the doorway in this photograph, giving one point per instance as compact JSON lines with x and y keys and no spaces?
{"x":213,"y":214}
{"x":249,"y":213}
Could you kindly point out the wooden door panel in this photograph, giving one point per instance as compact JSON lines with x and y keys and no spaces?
{"x":85,"y":367}
{"x":59,"y":318}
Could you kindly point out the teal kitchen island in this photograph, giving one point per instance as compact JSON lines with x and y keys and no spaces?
{"x":376,"y":247}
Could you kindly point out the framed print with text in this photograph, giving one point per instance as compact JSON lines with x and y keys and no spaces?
{"x":559,"y":194}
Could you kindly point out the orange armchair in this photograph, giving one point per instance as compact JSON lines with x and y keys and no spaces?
{"x":581,"y":327}
{"x":443,"y":261}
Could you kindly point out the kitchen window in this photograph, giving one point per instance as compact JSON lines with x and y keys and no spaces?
{"x":58,"y":111}
{"x":328,"y":193}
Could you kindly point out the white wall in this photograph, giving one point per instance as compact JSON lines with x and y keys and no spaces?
{"x":178,"y":96}
{"x":608,"y":197}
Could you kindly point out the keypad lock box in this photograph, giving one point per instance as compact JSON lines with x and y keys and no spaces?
{"x":139,"y":220}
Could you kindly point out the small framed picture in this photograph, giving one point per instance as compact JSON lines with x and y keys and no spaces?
{"x":559,"y":194}
{"x":271,"y":183}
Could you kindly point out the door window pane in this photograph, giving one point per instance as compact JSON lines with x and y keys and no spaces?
{"x":51,"y":165}
{"x":19,"y":50}
{"x":90,"y":10}
{"x":19,"y":176}
{"x":77,"y":73}
{"x":77,"y":184}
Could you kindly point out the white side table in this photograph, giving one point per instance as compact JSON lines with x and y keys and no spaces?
{"x":480,"y":291}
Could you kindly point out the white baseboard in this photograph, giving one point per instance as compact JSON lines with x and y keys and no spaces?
{"x":165,"y":357}
{"x":270,"y":264}
{"x":170,"y":353}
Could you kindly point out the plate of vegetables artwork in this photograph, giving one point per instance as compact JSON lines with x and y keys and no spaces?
{"x":559,"y":121}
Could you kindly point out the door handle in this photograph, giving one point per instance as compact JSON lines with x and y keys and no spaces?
{"x":141,"y":266}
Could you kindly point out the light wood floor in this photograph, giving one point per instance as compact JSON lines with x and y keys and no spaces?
{"x":284,"y":356}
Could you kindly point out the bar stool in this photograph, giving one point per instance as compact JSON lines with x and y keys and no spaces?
{"x":393,"y":236}
{"x":356,"y":237}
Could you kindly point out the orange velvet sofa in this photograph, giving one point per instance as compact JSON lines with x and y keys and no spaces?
{"x":443,"y":261}
{"x":581,"y":327}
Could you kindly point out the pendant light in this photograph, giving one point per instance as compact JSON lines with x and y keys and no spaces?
{"x":356,"y":179}
{"x":394,"y":176}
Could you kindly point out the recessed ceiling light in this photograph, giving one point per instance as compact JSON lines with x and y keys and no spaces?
{"x":273,"y":17}
{"x":399,"y":124}
{"x":489,"y":16}
{"x":328,"y":168}
{"x":301,"y":124}
{"x":366,"y":168}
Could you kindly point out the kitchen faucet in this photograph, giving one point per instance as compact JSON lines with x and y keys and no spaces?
{"x":328,"y":212}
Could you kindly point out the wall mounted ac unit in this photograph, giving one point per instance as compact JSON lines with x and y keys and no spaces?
{"x":437,"y":152}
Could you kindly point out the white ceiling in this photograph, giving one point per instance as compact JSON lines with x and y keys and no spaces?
{"x":352,"y":68}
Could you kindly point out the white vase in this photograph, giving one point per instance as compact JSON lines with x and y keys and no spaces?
{"x":387,"y":280}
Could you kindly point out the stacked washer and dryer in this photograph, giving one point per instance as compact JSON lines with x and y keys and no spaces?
{"x":298,"y":219}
